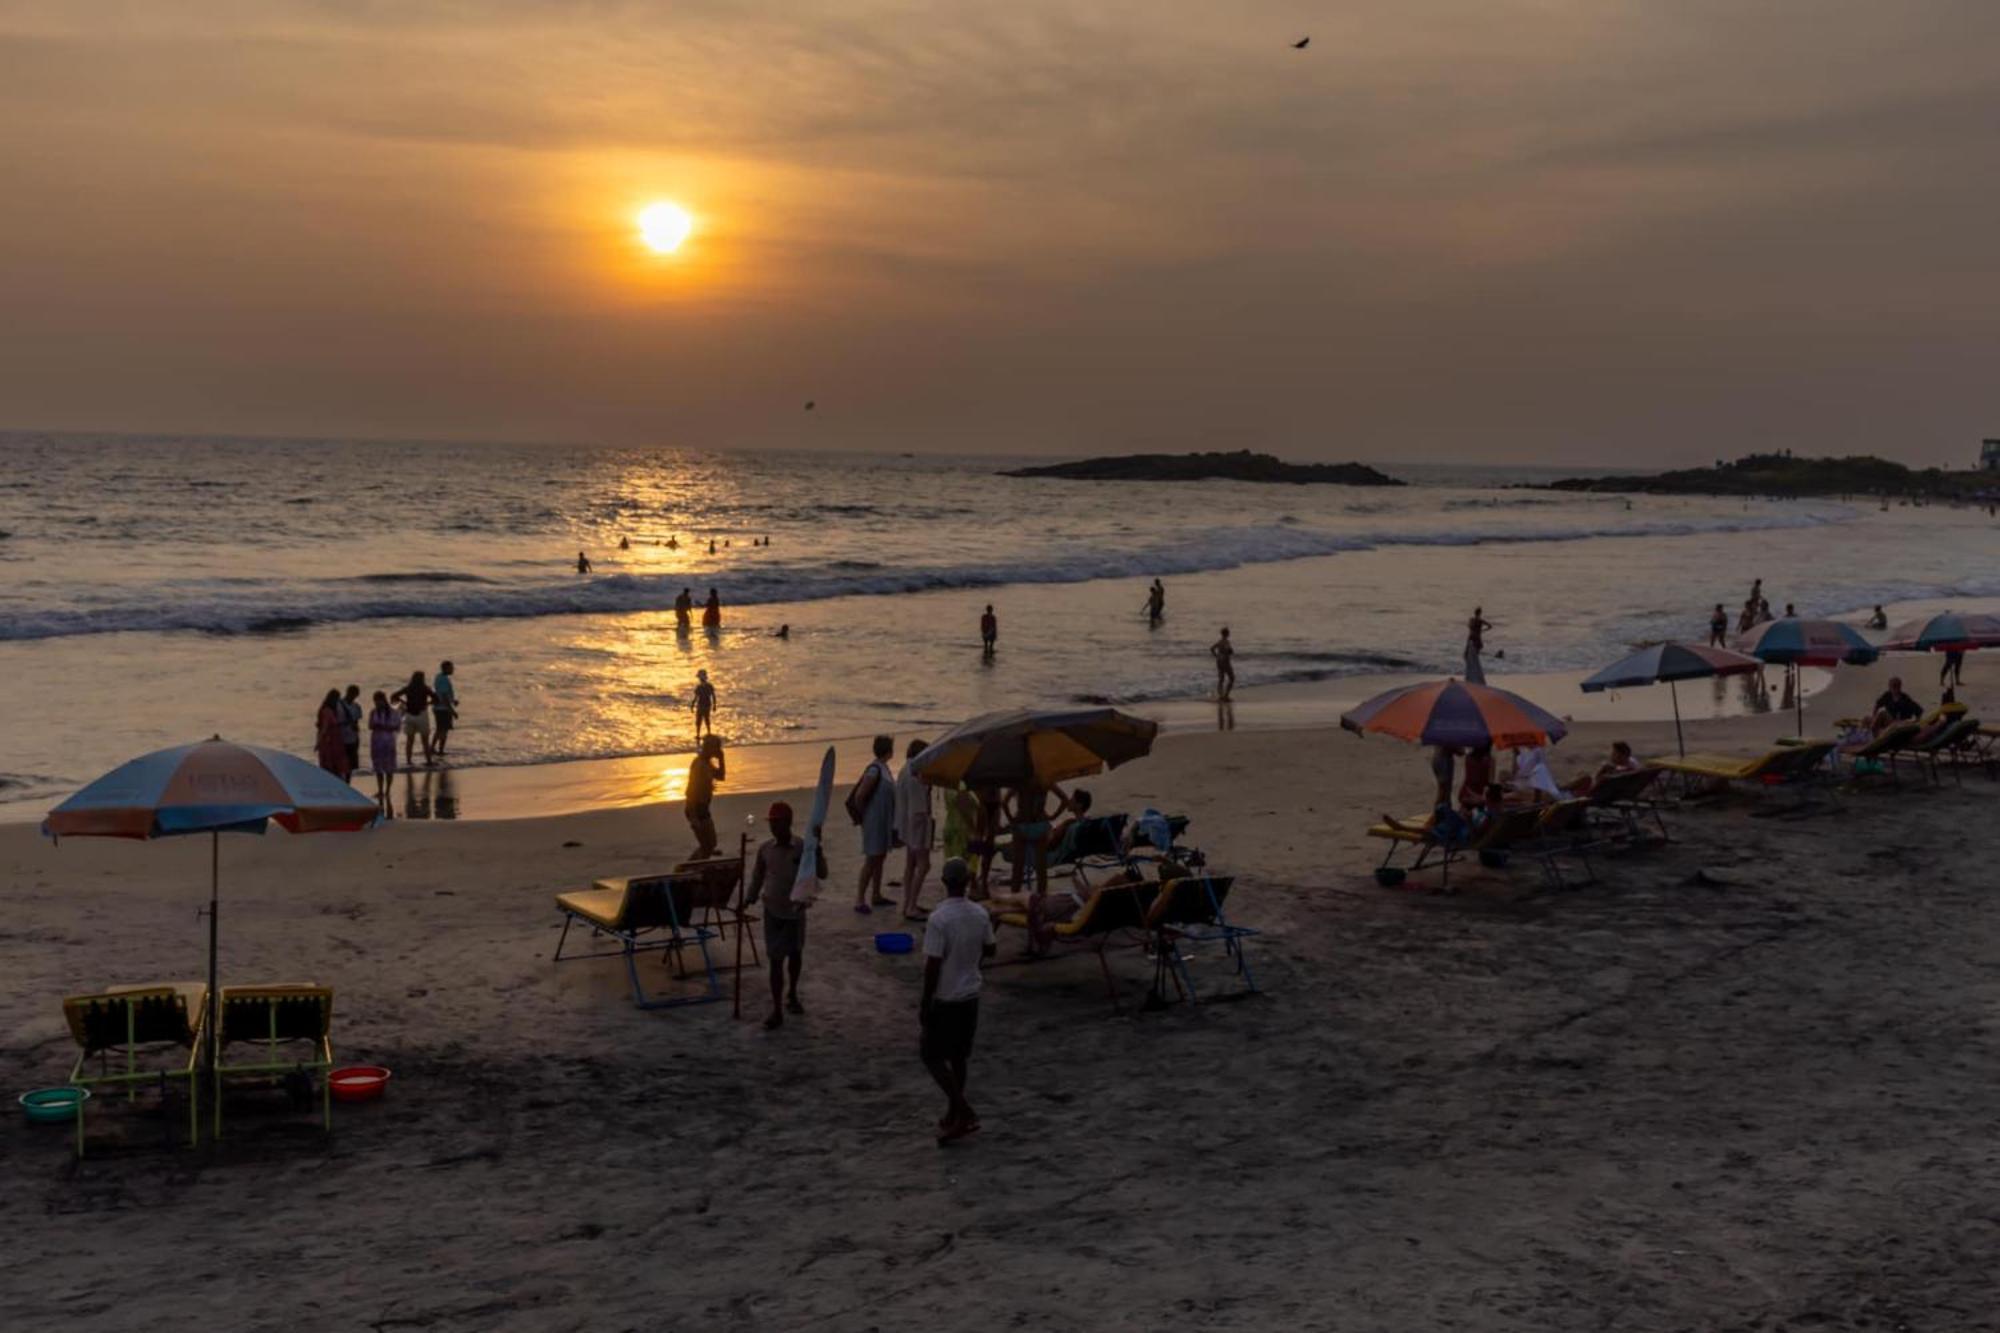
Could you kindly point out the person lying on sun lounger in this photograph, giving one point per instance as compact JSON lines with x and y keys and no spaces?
{"x":1621,"y":761}
{"x":1446,"y":827}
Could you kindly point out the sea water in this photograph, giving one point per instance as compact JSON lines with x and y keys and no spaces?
{"x":157,"y":589}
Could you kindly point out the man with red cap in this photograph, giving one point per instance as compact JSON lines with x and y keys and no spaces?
{"x":777,"y":870}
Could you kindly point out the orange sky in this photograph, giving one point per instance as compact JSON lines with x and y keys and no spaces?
{"x":1457,"y":229}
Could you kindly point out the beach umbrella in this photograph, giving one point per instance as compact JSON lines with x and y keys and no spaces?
{"x":213,"y":787}
{"x":1946,"y":632}
{"x":1671,"y":662}
{"x":1042,"y":746}
{"x":1458,"y":713}
{"x":1795,"y":642}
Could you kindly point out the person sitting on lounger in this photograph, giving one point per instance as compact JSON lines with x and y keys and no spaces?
{"x":1062,"y":834}
{"x":1894,"y":706}
{"x":1446,"y":827}
{"x":1532,"y":779}
{"x":1478,"y":778}
{"x":1621,"y":761}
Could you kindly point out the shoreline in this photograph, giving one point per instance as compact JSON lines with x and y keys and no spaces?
{"x":509,"y":792}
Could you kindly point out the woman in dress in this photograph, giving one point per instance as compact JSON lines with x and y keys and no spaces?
{"x":384,"y":725}
{"x":916,"y":826}
{"x":331,"y":750}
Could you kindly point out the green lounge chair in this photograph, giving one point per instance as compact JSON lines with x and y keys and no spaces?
{"x":158,"y":1026}
{"x":288,"y":1025}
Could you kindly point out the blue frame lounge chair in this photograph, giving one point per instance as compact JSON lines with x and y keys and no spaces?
{"x":1190,"y":909}
{"x":644,"y":914}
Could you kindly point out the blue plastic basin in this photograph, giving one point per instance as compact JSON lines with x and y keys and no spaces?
{"x":894,"y":941}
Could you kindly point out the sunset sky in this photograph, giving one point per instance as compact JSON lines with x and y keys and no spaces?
{"x":1562,"y":230}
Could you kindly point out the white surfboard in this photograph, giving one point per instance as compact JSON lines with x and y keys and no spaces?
{"x":807,"y":887}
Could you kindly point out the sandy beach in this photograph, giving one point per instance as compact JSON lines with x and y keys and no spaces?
{"x":1736,"y":1084}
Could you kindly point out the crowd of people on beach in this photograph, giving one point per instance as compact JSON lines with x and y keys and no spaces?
{"x":419,"y":711}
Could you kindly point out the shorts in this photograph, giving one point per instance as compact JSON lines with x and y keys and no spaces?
{"x":417,"y":724}
{"x":784,"y":937}
{"x":447,"y":718}
{"x":949,"y":1028}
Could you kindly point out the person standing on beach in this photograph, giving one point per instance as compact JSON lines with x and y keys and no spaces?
{"x":711,"y":611}
{"x":704,"y":705}
{"x":1224,"y":653}
{"x":707,"y":769}
{"x":582,"y":563}
{"x":328,"y":746}
{"x":1718,"y":627}
{"x":444,"y":705}
{"x":872,"y":805}
{"x":383,"y":724}
{"x":1156,"y":604}
{"x":350,"y":727}
{"x":1953,"y":671}
{"x":957,"y":938}
{"x":416,"y":701}
{"x":684,"y":611}
{"x":1475,"y":645}
{"x":917,"y":827}
{"x":777,"y":870}
{"x":989,"y":630}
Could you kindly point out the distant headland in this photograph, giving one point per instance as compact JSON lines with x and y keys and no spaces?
{"x":1239,"y":466}
{"x":1782,"y":474}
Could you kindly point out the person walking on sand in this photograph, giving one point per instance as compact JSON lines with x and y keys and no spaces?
{"x":989,"y":630}
{"x":350,"y":727}
{"x":917,"y":828}
{"x":711,"y":611}
{"x":872,"y":805}
{"x":704,"y":705}
{"x":776,"y":871}
{"x":958,"y":937}
{"x":582,"y":563}
{"x":444,"y":706}
{"x":416,"y":701}
{"x":1224,"y":653}
{"x":383,"y":724}
{"x":1156,"y":604}
{"x":707,"y":769}
{"x":684,"y":611}
{"x":329,"y":748}
{"x":1718,"y":627}
{"x":1475,"y":645}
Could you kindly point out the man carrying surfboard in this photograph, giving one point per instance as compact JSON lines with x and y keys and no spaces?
{"x":776,"y":871}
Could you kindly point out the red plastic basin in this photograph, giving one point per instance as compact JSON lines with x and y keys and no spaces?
{"x":358,"y":1083}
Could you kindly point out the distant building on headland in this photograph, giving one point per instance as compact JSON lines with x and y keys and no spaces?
{"x":1989,"y":455}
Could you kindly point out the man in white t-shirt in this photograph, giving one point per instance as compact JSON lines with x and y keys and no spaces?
{"x":957,"y":938}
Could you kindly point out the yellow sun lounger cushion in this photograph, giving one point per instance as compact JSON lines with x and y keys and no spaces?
{"x":600,"y":907}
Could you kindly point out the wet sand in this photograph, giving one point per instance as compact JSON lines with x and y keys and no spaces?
{"x":1740,"y":1083}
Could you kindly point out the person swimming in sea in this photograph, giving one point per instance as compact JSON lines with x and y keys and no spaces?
{"x":784,"y":632}
{"x":582,"y":563}
{"x":1156,"y":603}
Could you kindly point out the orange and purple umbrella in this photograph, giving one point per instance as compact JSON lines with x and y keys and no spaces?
{"x":1457,"y":713}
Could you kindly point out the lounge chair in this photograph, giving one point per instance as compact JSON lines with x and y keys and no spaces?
{"x":1493,"y":836}
{"x":1111,"y":910}
{"x":1942,"y":744}
{"x":1563,"y":832}
{"x":158,"y":1026}
{"x":1796,"y":765}
{"x":1190,"y":909}
{"x":1624,"y":799}
{"x":645,"y":914}
{"x":717,"y":902}
{"x":291,"y":1024}
{"x":1879,"y":751}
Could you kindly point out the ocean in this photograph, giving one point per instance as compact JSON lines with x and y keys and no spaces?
{"x":156,"y":589}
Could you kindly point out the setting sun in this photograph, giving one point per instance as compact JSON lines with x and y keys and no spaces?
{"x":664,"y":226}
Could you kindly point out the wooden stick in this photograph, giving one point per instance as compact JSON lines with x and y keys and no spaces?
{"x":742,"y":888}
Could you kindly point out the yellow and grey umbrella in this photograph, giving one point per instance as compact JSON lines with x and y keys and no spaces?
{"x":1042,"y":746}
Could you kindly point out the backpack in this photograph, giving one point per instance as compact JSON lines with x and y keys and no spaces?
{"x":855,"y":810}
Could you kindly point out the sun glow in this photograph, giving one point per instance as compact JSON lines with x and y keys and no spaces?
{"x":663,"y":226}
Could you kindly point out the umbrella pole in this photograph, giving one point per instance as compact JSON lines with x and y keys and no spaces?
{"x":1799,"y":698}
{"x":742,"y":892}
{"x":214,"y":897}
{"x":1680,"y":742}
